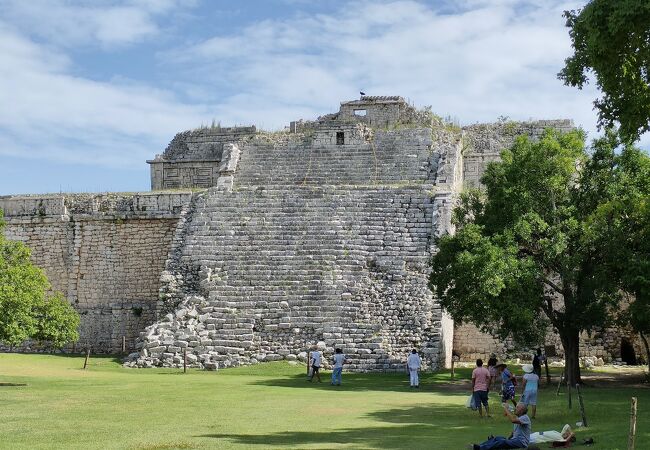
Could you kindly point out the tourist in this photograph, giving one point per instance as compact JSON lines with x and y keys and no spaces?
{"x":315,"y":359}
{"x":530,"y":386}
{"x":491,"y":365}
{"x":520,"y":437}
{"x":508,"y":383}
{"x":339,"y":359}
{"x":538,"y":359}
{"x":480,"y":384}
{"x":413,"y":364}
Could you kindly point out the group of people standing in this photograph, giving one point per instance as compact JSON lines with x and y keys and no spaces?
{"x":413,"y":364}
{"x":484,"y":378}
{"x":315,"y":360}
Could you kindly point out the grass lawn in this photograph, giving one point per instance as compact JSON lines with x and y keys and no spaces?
{"x":268,"y":406}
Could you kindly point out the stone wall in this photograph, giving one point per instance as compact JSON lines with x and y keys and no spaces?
{"x":105,"y":253}
{"x":484,"y":142}
{"x":471,"y":344}
{"x":192,"y":158}
{"x":365,"y":157}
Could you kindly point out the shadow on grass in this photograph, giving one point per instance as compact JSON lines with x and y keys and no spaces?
{"x":407,"y":428}
{"x":118,"y":359}
{"x":438,"y":381}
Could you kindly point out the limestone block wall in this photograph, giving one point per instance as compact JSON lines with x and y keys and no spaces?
{"x":105,"y":253}
{"x":484,"y":142}
{"x":471,"y":343}
{"x":192,"y":158}
{"x":366,"y":157}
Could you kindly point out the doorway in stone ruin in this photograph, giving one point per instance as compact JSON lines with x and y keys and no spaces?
{"x":627,"y":352}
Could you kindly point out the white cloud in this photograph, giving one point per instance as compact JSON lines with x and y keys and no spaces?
{"x":50,"y":114}
{"x":484,"y":60}
{"x":100,"y":22}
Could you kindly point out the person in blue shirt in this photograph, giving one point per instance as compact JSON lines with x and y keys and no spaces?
{"x":520,"y":437}
{"x":530,"y":386}
{"x":508,"y":383}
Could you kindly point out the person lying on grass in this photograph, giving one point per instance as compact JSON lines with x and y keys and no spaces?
{"x":520,"y":437}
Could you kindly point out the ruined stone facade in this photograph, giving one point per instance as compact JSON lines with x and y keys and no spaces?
{"x":104,"y":252}
{"x":317,"y":235}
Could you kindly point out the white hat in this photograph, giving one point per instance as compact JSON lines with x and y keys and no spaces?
{"x":528,"y":368}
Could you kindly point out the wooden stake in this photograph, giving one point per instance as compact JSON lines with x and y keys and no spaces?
{"x":185,"y":360}
{"x":123,"y":344}
{"x":568,"y":388}
{"x":87,"y":356}
{"x":632,"y":436}
{"x":559,"y":385}
{"x":582,"y":406}
{"x":452,"y":368}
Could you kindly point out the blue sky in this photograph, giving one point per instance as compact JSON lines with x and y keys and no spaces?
{"x":91,"y":89}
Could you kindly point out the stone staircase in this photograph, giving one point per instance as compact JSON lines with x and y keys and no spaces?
{"x":307,"y":249}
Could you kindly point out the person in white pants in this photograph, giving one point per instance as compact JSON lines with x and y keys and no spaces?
{"x":413,"y":363}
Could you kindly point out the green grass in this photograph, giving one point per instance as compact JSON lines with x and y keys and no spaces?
{"x":267,"y":406}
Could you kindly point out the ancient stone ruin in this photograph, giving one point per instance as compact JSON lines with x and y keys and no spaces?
{"x":315,"y":235}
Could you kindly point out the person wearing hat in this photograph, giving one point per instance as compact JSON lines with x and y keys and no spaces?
{"x":508,"y":382}
{"x":531,"y":383}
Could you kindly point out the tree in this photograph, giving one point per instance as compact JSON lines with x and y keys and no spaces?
{"x":622,"y":222}
{"x":29,"y":309}
{"x":611,"y":39}
{"x":524,"y":253}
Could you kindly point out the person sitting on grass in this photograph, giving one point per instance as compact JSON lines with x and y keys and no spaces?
{"x":339,"y":359}
{"x":480,"y":384}
{"x":520,"y":437}
{"x":508,"y":382}
{"x":531,"y":383}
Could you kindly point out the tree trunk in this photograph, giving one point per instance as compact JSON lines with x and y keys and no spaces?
{"x":571,"y":344}
{"x":647,"y":349}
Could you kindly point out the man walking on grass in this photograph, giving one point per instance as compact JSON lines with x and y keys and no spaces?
{"x":315,"y":359}
{"x":480,"y":385}
{"x":413,"y":363}
{"x":339,"y":359}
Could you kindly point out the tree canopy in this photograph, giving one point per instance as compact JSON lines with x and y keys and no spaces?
{"x":529,"y":250}
{"x":29,"y":309}
{"x":623,"y":224}
{"x":611,"y":40}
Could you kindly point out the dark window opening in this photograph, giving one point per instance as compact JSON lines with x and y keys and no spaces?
{"x":627,"y":352}
{"x":340,"y":138}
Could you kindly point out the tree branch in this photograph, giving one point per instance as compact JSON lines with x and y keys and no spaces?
{"x":552,"y":285}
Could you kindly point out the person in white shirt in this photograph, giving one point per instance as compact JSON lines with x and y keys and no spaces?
{"x":339,"y":359}
{"x":413,"y":363}
{"x":315,"y":359}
